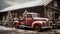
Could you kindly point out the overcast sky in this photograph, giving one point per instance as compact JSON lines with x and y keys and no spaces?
{"x":7,"y":3}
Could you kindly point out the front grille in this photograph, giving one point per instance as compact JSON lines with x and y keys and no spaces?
{"x":47,"y":23}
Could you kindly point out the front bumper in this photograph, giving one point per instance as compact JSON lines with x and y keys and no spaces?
{"x":46,"y":28}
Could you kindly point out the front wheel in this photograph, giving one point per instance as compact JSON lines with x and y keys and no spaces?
{"x":36,"y":27}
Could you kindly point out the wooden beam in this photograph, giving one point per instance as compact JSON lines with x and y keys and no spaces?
{"x":54,"y":8}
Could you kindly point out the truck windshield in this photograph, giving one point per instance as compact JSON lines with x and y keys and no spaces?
{"x":36,"y":15}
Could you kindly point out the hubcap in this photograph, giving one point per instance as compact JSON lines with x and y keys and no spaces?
{"x":36,"y":27}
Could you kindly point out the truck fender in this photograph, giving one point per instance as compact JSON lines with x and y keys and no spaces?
{"x":15,"y":22}
{"x":36,"y":22}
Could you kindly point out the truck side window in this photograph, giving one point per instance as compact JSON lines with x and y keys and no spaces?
{"x":29,"y":16}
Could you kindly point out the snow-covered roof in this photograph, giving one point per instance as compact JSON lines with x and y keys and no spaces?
{"x":27,"y":4}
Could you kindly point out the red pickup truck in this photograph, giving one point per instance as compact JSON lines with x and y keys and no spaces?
{"x":34,"y":20}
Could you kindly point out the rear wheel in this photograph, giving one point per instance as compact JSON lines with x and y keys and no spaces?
{"x":36,"y":27}
{"x":15,"y":25}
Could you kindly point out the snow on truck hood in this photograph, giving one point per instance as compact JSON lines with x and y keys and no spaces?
{"x":38,"y":20}
{"x":41,"y":18}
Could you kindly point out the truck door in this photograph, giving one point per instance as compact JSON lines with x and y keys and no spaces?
{"x":23,"y":19}
{"x":29,"y":19}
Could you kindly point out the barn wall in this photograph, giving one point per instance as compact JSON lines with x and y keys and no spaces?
{"x":52,"y":11}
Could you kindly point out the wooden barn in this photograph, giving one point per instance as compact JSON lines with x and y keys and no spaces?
{"x":33,"y":6}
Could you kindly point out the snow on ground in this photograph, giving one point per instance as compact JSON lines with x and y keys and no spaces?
{"x":2,"y":28}
{"x":7,"y":30}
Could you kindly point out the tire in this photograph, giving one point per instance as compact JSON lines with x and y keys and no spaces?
{"x":37,"y":27}
{"x":15,"y":26}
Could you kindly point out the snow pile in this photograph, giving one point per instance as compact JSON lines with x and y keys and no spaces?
{"x":2,"y":28}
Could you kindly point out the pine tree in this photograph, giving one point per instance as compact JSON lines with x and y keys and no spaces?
{"x":25,"y":12}
{"x":8,"y":19}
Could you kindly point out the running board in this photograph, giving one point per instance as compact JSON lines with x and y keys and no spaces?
{"x":25,"y":27}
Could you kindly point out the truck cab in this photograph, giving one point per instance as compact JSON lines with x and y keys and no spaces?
{"x":29,"y":18}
